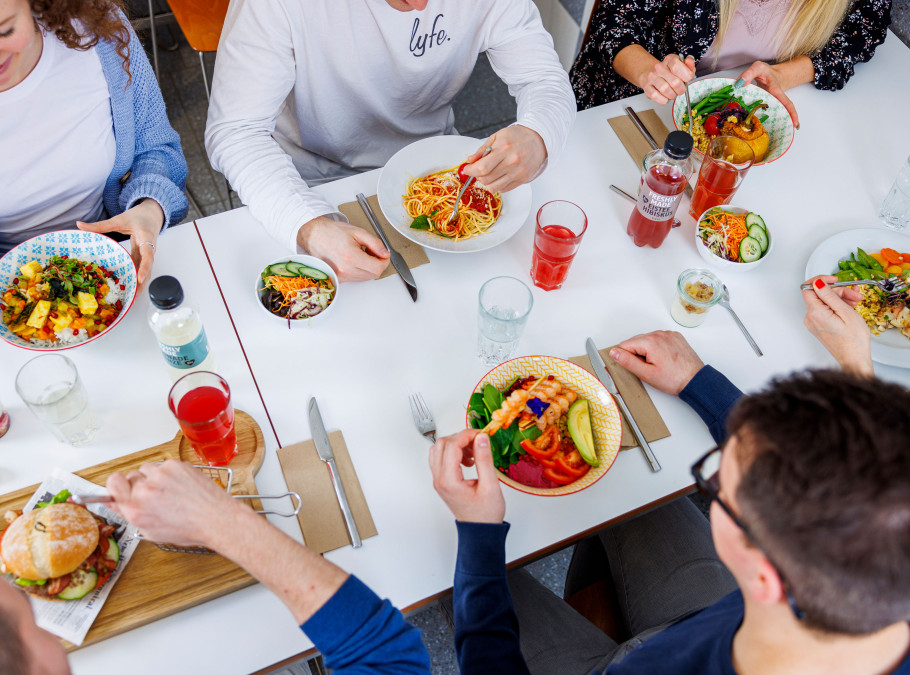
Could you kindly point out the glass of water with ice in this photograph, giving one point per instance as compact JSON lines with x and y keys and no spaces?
{"x":503,"y":305}
{"x":51,"y":388}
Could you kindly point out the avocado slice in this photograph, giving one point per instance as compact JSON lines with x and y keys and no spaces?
{"x":579,"y":422}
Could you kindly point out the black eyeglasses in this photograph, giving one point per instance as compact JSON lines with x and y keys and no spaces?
{"x":710,"y":487}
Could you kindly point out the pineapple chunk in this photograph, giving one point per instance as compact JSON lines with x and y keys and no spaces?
{"x":29,"y":270}
{"x":39,"y":315}
{"x":87,"y":303}
{"x":61,"y":322}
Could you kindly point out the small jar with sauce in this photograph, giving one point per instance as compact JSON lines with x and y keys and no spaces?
{"x":697,"y":291}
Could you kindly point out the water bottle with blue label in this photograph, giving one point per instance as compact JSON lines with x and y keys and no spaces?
{"x":178,"y":327}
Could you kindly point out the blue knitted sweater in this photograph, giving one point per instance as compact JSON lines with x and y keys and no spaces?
{"x":149,"y":162}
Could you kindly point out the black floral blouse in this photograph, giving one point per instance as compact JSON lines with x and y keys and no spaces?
{"x":665,"y":27}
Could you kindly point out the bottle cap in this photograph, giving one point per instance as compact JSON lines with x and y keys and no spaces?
{"x":165,"y":292}
{"x":678,"y":145}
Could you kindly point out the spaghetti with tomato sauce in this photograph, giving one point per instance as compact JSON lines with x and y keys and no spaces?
{"x":430,"y":201}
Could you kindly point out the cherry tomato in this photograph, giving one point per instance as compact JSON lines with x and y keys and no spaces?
{"x":711,"y":122}
{"x":463,"y":177}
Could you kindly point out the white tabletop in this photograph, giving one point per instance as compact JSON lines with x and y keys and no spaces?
{"x":378,"y":346}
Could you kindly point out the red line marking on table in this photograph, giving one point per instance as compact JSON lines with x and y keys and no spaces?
{"x":239,"y":341}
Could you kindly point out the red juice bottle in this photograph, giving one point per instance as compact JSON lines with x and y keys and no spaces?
{"x":664,"y":178}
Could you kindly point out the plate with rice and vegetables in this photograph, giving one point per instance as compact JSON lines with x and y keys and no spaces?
{"x":64,"y":289}
{"x":879,"y":254}
{"x":749,"y":112}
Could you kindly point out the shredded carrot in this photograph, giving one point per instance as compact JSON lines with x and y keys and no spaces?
{"x":732,"y":227}
{"x":290,"y":285}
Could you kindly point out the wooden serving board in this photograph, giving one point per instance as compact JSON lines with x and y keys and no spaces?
{"x":155,"y":583}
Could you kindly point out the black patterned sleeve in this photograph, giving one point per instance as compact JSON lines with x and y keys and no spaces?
{"x":854,"y":41}
{"x":615,"y":25}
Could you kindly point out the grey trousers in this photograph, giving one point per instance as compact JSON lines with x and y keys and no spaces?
{"x":663,"y":566}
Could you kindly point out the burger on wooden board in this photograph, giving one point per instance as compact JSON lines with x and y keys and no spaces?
{"x":59,"y":550}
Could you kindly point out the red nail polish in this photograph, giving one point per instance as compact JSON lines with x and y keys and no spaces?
{"x":819,"y":284}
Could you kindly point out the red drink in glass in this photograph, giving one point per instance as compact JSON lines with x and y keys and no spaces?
{"x":560,"y":227}
{"x":201,"y":402}
{"x":726,"y":162}
{"x":658,"y":200}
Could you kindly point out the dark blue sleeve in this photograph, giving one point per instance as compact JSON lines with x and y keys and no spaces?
{"x":711,"y":395}
{"x":486,"y":628}
{"x":358,"y":633}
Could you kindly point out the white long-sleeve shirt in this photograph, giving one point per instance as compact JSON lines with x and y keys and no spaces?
{"x":307,"y":91}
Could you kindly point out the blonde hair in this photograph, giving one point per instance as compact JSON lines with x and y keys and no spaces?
{"x":806,"y":28}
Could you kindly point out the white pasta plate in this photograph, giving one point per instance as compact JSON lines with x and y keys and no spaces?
{"x":433,"y":154}
{"x":890,"y":348}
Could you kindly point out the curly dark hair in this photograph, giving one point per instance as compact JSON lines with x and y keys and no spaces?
{"x":101,"y":19}
{"x":825,"y":490}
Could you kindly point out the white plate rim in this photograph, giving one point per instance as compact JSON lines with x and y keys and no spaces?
{"x":434,"y":154}
{"x":838,"y":246}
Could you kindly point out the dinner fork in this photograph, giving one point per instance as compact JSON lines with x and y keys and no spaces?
{"x":889,"y":285}
{"x":454,"y":216}
{"x":423,"y":420}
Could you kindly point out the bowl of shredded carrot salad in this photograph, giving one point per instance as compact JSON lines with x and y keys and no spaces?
{"x":297,"y":289}
{"x":732,"y":238}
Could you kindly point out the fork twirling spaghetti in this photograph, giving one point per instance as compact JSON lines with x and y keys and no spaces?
{"x":434,"y":196}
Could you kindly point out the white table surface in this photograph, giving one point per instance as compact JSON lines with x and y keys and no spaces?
{"x":378,"y":346}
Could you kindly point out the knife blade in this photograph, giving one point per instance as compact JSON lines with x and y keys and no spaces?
{"x":397,"y":261}
{"x":324,"y":449}
{"x":636,"y":120}
{"x":600,"y":370}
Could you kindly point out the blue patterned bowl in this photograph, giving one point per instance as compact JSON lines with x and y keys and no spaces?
{"x":779,"y":124}
{"x":86,"y":246}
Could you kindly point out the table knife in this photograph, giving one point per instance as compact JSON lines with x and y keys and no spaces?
{"x":397,"y":261}
{"x":636,"y":120}
{"x":321,"y":440}
{"x":600,"y":370}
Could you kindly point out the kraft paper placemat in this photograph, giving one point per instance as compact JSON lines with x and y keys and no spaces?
{"x":632,"y":138}
{"x":413,"y":254}
{"x":633,"y":393}
{"x":320,"y":516}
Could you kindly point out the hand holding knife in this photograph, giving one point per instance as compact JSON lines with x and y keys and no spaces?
{"x":600,"y":370}
{"x":397,"y":261}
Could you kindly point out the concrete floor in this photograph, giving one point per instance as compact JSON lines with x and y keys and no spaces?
{"x":483,"y":107}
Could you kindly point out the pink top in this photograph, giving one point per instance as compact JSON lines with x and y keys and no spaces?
{"x":750,"y":37}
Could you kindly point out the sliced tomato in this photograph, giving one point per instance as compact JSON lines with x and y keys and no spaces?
{"x":544,"y":447}
{"x":463,"y":177}
{"x":558,"y":477}
{"x":891,"y":255}
{"x":571,"y":464}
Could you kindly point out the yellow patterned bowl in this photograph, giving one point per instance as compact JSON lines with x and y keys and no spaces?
{"x":605,"y":418}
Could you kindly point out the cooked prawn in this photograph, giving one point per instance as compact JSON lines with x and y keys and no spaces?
{"x":559,"y":406}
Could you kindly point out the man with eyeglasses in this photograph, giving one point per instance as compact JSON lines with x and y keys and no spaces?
{"x":810,"y":491}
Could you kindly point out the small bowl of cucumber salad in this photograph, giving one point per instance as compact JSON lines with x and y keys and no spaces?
{"x":732,"y":238}
{"x":297,"y":289}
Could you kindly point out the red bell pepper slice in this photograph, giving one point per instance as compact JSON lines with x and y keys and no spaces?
{"x":571,"y":464}
{"x":544,"y":447}
{"x":555,"y":476}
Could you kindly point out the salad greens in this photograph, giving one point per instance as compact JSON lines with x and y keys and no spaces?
{"x":506,"y":442}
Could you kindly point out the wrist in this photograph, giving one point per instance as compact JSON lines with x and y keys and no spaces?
{"x":633,"y":63}
{"x":224,"y":527}
{"x":152,"y":213}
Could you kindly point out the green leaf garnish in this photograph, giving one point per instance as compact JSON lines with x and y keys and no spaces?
{"x":421,"y":223}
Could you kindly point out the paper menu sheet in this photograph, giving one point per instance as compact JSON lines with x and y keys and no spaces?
{"x":72,"y":619}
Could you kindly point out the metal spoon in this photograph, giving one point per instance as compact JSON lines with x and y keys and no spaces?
{"x":725,"y":302}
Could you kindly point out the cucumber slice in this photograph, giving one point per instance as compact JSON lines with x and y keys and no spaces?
{"x":755,"y":219}
{"x":312,"y":273}
{"x":749,"y":250}
{"x":758,"y":233}
{"x":294,"y":267}
{"x":280,"y":270}
{"x":81,"y":585}
{"x":113,"y":552}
